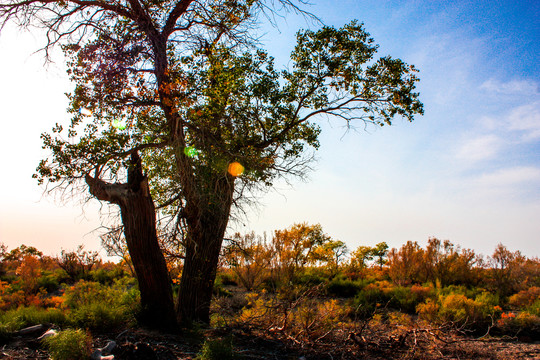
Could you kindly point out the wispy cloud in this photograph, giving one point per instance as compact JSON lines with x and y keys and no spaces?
{"x":511,"y":176}
{"x":514,"y":87}
{"x":479,"y":148}
{"x":526,"y":119}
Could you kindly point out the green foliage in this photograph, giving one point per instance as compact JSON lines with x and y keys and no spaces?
{"x":107,"y":276}
{"x":48,"y":282}
{"x":219,"y":288}
{"x":98,"y":307}
{"x":368,"y":301}
{"x":342,"y":287}
{"x":460,"y":310}
{"x":13,"y":320}
{"x":534,"y":308}
{"x":69,"y":344}
{"x":16,"y":319}
{"x":218,"y":349}
{"x":525,"y":325}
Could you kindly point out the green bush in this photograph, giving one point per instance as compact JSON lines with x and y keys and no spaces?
{"x":98,"y":307}
{"x":309,"y":279}
{"x":343,"y":287}
{"x":22,"y":317}
{"x":217,"y":349}
{"x":404,"y":299}
{"x":219,"y":288}
{"x":69,"y":345}
{"x":534,"y":308}
{"x":525,"y":326}
{"x":48,"y":282}
{"x":368,"y":300}
{"x":226,"y":279}
{"x":16,"y":319}
{"x":107,"y":277}
{"x":459,"y":310}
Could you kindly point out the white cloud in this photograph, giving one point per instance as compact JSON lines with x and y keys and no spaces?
{"x":514,"y":87}
{"x":526,"y":118}
{"x":512,"y":176}
{"x":480,"y":148}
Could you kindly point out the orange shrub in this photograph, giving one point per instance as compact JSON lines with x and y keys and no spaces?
{"x":525,"y":298}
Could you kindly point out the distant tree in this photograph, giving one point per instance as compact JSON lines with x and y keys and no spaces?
{"x":406,"y":264}
{"x":77,"y":264}
{"x":114,"y":243}
{"x":185,"y":110}
{"x":359,"y":258}
{"x":505,"y":269}
{"x":249,"y":257}
{"x":20,"y":252}
{"x":3,"y":252}
{"x":331,"y":253}
{"x":380,"y":251}
{"x":29,"y":271}
{"x":446,"y":264}
{"x":295,"y":246}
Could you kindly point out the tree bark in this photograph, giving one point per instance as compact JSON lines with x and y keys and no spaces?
{"x":206,"y":228}
{"x":139,"y":218}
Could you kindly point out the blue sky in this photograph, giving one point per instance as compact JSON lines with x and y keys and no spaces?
{"x":467,"y":171}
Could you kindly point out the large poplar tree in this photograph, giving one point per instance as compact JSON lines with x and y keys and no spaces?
{"x":174,"y":104}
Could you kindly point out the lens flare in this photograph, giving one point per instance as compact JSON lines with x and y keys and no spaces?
{"x":190,"y":151}
{"x":120,"y":125}
{"x":235,"y":169}
{"x":85,"y":112}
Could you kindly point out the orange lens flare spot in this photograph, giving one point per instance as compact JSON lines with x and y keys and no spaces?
{"x":235,"y":169}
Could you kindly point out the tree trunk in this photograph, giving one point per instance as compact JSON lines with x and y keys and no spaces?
{"x":139,"y":220}
{"x":206,"y":228}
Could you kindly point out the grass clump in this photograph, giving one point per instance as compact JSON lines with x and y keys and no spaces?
{"x":218,"y":349}
{"x":98,"y":307}
{"x":69,"y":344}
{"x":22,"y":317}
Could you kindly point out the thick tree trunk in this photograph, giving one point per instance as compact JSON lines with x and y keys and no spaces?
{"x":206,"y":228}
{"x":139,"y":220}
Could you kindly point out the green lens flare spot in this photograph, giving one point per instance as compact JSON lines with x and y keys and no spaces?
{"x":190,"y":151}
{"x":118,"y":124}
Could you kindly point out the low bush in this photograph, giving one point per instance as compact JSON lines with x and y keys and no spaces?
{"x":69,"y":344}
{"x":525,"y":298}
{"x":218,"y":349}
{"x":98,"y":307}
{"x":524,"y":325}
{"x":459,"y":310}
{"x":48,"y":282}
{"x":343,"y":287}
{"x":16,"y":319}
{"x":21,"y":317}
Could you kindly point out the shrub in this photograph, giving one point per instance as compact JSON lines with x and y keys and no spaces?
{"x":48,"y":282}
{"x":460,"y":310}
{"x":309,"y":279}
{"x":69,"y":345}
{"x":98,"y":307}
{"x":218,"y":349}
{"x":525,"y":298}
{"x":219,"y":288}
{"x":343,"y":287}
{"x":534,"y":308}
{"x":226,"y":279}
{"x":16,"y":319}
{"x":367,"y":301}
{"x":524,"y":325}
